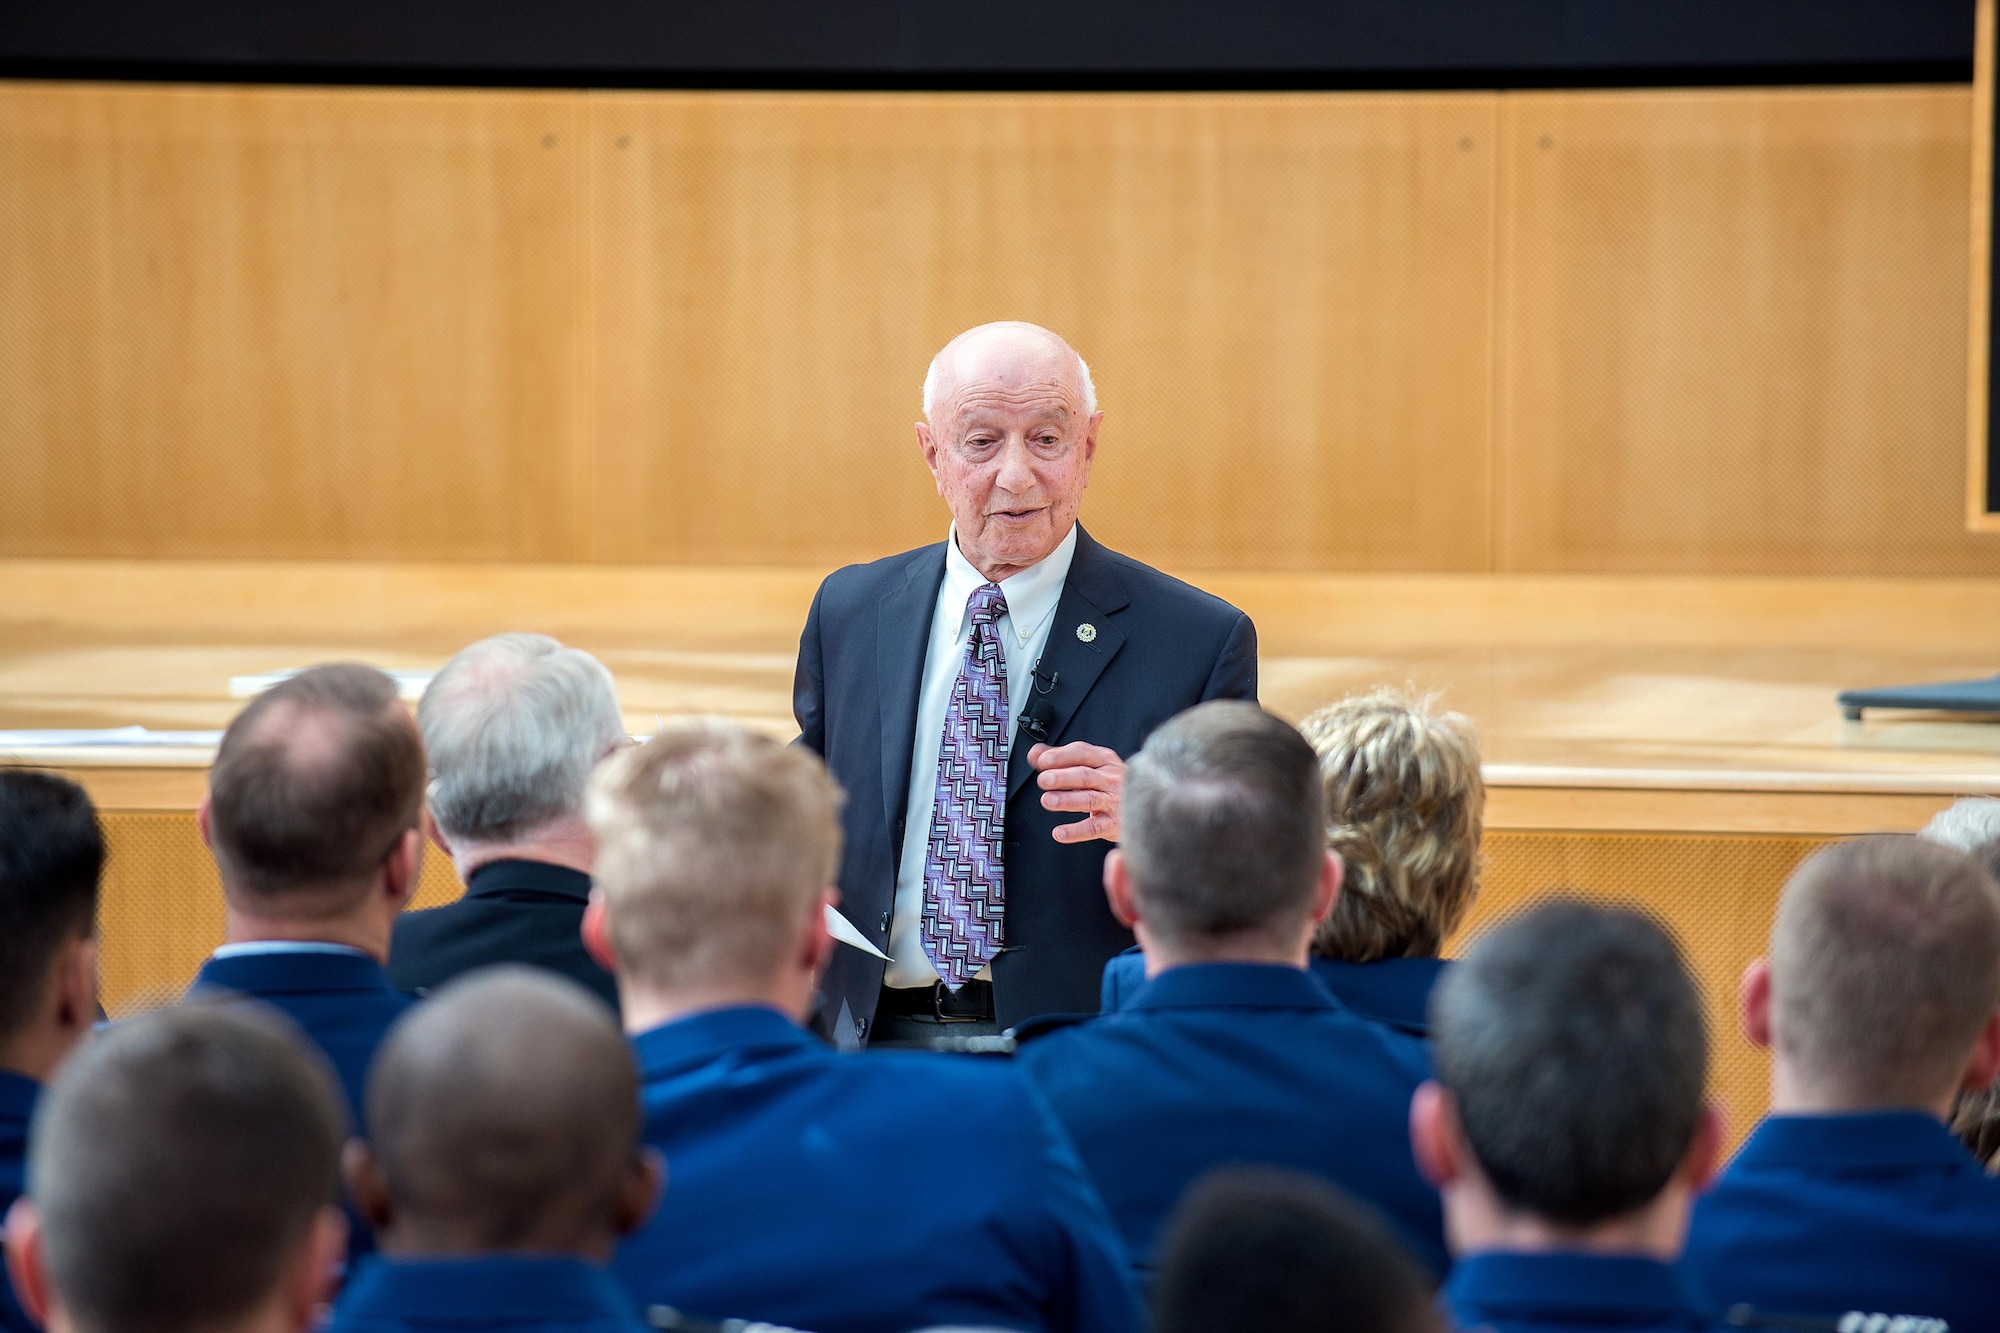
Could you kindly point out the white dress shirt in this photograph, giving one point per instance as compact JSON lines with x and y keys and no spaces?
{"x":1031,"y":596}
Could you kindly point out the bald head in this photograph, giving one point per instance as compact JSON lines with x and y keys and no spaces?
{"x":1009,"y":431}
{"x":1884,"y":969}
{"x":505,"y":1117}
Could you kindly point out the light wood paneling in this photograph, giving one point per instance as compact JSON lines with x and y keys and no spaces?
{"x":1979,"y":287}
{"x":1284,"y":300}
{"x":281,"y":322}
{"x":1732,"y":332}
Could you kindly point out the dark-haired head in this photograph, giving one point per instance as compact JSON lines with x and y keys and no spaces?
{"x":1571,"y":1054}
{"x":51,"y":859}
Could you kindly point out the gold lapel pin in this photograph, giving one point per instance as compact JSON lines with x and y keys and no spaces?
{"x":1086,"y":631}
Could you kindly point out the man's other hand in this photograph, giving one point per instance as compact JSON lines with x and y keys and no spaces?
{"x":1084,"y":778}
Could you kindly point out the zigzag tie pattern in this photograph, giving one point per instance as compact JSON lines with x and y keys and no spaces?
{"x":964,"y":891}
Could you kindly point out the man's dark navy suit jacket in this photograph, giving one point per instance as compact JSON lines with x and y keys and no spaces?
{"x":1156,"y":648}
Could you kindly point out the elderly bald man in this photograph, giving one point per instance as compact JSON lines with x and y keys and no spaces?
{"x":938,"y":682}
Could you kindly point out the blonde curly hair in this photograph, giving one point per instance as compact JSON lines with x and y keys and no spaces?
{"x":1404,"y":801}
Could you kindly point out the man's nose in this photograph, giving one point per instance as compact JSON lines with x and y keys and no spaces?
{"x":1015,"y":476}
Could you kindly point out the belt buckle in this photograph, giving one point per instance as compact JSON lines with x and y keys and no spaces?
{"x":938,"y":991}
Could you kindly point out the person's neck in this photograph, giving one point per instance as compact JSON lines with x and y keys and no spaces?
{"x":1477,"y":1222}
{"x":35,"y":1053}
{"x":358,"y":931}
{"x":567,"y":842}
{"x":414,"y":1238}
{"x":644,"y":1008}
{"x":1162,"y":954}
{"x":1792,"y":1093}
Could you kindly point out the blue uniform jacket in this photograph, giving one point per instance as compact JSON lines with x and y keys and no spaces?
{"x":340,"y":998}
{"x":869,"y":1193}
{"x":1391,"y":991}
{"x":1235,"y":1062}
{"x":493,"y":1294}
{"x":17,"y":1109}
{"x":1881,"y":1213}
{"x":1570,"y":1293}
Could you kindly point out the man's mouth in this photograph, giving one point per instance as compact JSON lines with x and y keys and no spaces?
{"x":1016,"y":515}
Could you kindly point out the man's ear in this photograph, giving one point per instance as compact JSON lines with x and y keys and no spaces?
{"x":816,"y":944}
{"x":1983,"y":1065}
{"x":596,"y":932}
{"x":928,"y":444}
{"x":76,"y":985}
{"x":366,"y":1185}
{"x":1436,"y":1139}
{"x":639,"y":1193}
{"x":1332,"y":874}
{"x":201,"y":817}
{"x":1753,"y":1003}
{"x":1704,"y":1155}
{"x":313,"y":1279}
{"x":402,"y":868}
{"x":1090,"y":442}
{"x":1118,"y":888}
{"x":433,"y":832}
{"x":28,"y":1263}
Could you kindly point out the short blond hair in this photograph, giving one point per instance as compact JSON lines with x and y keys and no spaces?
{"x":1404,"y":802}
{"x":713,"y":843}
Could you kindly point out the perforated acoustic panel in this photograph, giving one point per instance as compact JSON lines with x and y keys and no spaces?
{"x":1715,"y":892}
{"x":161,"y":911}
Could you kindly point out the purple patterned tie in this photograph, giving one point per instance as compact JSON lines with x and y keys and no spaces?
{"x":964,"y":896}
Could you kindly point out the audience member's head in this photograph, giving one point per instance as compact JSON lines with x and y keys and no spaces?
{"x":1571,"y":1056}
{"x":1223,"y":853}
{"x":716,"y":849}
{"x":1253,"y":1248}
{"x":1404,"y":801}
{"x":504,"y":1115}
{"x":513,"y":726}
{"x":181,"y":1179}
{"x":1883,"y":978}
{"x":51,"y":858}
{"x":315,"y":802}
{"x":1966,"y":825}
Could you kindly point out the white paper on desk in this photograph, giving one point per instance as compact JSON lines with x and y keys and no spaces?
{"x":844,"y":930}
{"x":51,"y":738}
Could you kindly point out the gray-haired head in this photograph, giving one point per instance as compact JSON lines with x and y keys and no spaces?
{"x":1965,"y":826}
{"x":941,"y":378}
{"x":513,"y":726}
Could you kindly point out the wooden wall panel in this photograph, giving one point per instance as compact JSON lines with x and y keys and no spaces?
{"x":1732,"y":332}
{"x":271,"y":322}
{"x":1284,"y":299}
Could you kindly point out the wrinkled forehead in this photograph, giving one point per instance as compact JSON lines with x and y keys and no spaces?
{"x":1009,"y":372}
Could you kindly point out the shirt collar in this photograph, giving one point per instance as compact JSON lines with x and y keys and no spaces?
{"x":293,"y":971}
{"x":518,"y":875}
{"x":1861,"y":1139}
{"x":1233,"y":986}
{"x":700,"y":1038}
{"x":488,"y":1289}
{"x":1497,"y":1288}
{"x":1031,"y":594}
{"x":18,"y":1093}
{"x":256,"y":948}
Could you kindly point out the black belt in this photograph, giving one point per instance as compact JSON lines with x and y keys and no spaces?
{"x":971,"y":1003}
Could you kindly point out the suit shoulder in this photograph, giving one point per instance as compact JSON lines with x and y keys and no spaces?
{"x":1157,"y":589}
{"x":855,"y":581}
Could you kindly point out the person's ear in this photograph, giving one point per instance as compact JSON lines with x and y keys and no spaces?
{"x":28,"y":1262}
{"x":433,"y":832}
{"x":639,"y":1192}
{"x":313,"y":1279}
{"x":1332,"y":874}
{"x":927,"y":442}
{"x":366,"y":1185}
{"x":816,"y":943}
{"x":1704,"y":1155}
{"x":403,"y":867}
{"x":1753,"y":1003}
{"x":201,"y":818}
{"x":1118,"y":889}
{"x":76,"y":985}
{"x":596,"y":932}
{"x":1983,"y":1065}
{"x":1090,"y":442}
{"x":1436,"y":1139}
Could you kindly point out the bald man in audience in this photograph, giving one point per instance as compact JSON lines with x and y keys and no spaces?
{"x":51,"y":859}
{"x":1567,"y":1128}
{"x":503,"y":1163}
{"x":313,"y":812}
{"x":838,"y":1193}
{"x":1878,"y":1004}
{"x":182,"y":1180}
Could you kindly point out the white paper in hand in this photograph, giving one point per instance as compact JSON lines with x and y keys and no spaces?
{"x":845,"y":931}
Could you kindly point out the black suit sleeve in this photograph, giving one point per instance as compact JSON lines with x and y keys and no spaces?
{"x":809,"y":683}
{"x":1235,"y":673}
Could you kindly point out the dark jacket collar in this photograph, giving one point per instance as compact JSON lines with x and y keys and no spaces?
{"x":294,"y":974}
{"x":516,"y":879}
{"x":1595,"y":1289}
{"x":1232,"y":986}
{"x":488,"y":1289}
{"x":18,"y":1094}
{"x":1862,"y":1139}
{"x":1395,"y":991}
{"x":688,"y":1043}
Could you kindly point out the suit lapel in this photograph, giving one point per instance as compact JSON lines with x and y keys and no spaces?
{"x":1091,"y":595}
{"x":902,"y":638}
